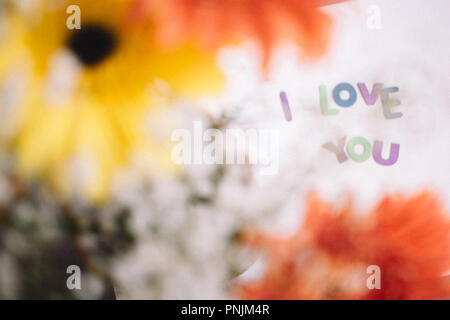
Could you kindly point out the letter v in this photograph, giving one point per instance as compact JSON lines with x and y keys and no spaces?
{"x":370,"y":99}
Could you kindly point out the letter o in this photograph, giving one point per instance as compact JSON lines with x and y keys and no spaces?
{"x":364,"y":155}
{"x":344,"y":86}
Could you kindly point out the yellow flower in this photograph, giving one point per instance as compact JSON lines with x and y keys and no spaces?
{"x":84,"y":110}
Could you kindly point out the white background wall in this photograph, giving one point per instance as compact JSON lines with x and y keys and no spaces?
{"x":410,"y":51}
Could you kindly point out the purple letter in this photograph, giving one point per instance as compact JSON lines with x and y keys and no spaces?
{"x":393,"y":156}
{"x":370,"y":99}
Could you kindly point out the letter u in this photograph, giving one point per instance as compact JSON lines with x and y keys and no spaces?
{"x":393,"y":156}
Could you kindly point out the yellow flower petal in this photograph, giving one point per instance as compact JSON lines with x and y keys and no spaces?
{"x":78,"y":143}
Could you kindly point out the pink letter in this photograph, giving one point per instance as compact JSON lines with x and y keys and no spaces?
{"x":338,"y":149}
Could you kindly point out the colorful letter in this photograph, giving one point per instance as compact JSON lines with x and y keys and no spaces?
{"x":338,"y":150}
{"x":324,"y":102}
{"x":393,"y":156}
{"x":366,"y":152}
{"x":370,"y":99}
{"x":389,"y":103}
{"x":285,"y":105}
{"x":344,"y":86}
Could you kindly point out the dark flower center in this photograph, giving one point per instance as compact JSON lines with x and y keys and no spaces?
{"x":92,"y":44}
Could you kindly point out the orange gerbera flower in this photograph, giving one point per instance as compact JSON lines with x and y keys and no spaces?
{"x":214,"y":23}
{"x":407,"y":238}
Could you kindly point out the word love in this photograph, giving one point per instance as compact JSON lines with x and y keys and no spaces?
{"x":367,"y":151}
{"x":370,"y":98}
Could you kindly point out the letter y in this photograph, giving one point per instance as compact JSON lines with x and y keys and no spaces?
{"x":338,"y":150}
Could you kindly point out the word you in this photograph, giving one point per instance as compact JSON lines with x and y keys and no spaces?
{"x":74,"y":280}
{"x":285,"y":105}
{"x":370,"y":98}
{"x":374,"y":280}
{"x":251,"y":146}
{"x":74,"y":20}
{"x":367,"y":150}
{"x":374,"y":17}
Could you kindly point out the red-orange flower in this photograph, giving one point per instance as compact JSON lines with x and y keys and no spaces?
{"x":407,"y":238}
{"x":214,"y":23}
